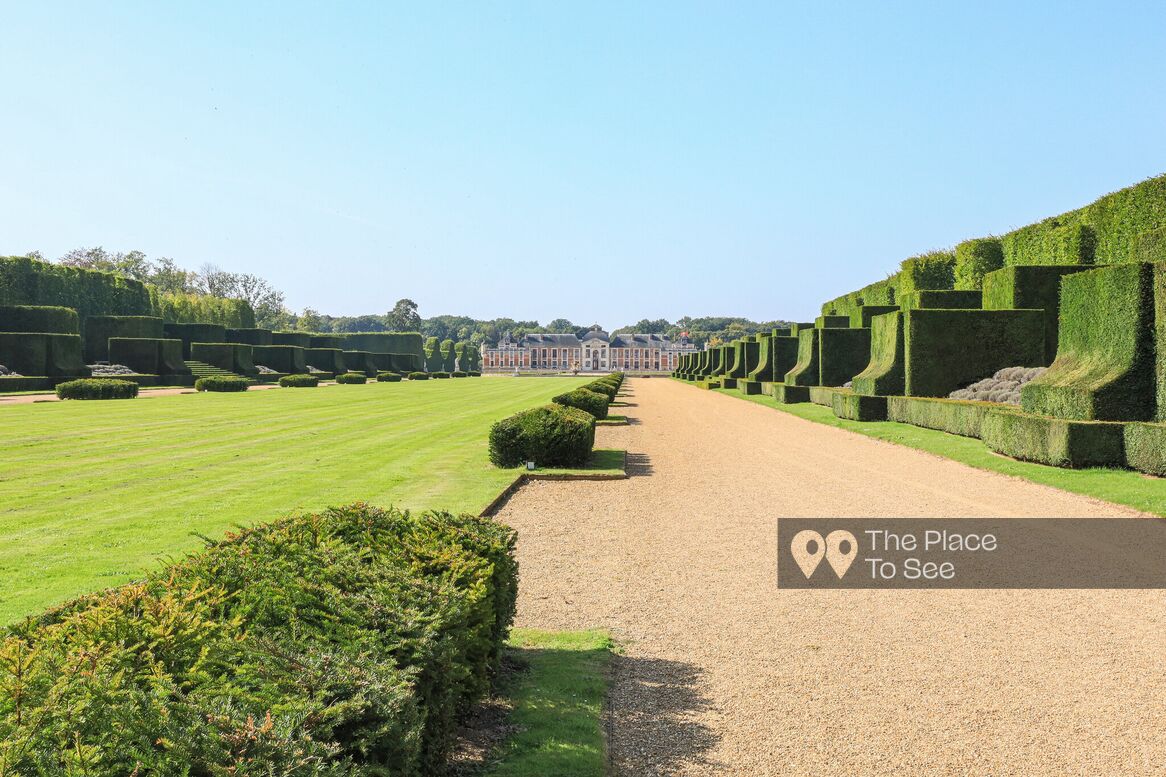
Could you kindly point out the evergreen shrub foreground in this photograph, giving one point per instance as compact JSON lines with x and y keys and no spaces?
{"x":550,"y":436}
{"x":97,"y":388}
{"x":439,"y":374}
{"x":299,"y":381}
{"x":221,"y":383}
{"x":592,"y":402}
{"x":340,"y":643}
{"x":418,"y":376}
{"x":388,"y":377}
{"x":352,"y":378}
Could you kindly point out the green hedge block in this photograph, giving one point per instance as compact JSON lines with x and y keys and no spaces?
{"x":941,"y":299}
{"x":861,"y":316}
{"x":750,"y":387}
{"x":796,"y":329}
{"x":1056,"y":441}
{"x":289,"y":359}
{"x":326,"y":359}
{"x":194,"y":333}
{"x":250,"y":336}
{"x":232,"y":357}
{"x":1030,"y":287}
{"x":824,"y":322}
{"x":405,"y":362}
{"x":948,"y":415}
{"x":805,"y":372}
{"x":1104,"y":368}
{"x":789,"y":395}
{"x":763,"y":370}
{"x":1145,"y":448}
{"x":976,"y":258}
{"x":745,"y":356}
{"x":9,"y":384}
{"x":947,"y":349}
{"x":39,"y":318}
{"x":781,"y":331}
{"x":842,"y":354}
{"x":1160,"y":338}
{"x":932,"y":270}
{"x":148,"y":355}
{"x":885,"y":373}
{"x":361,"y":361}
{"x":26,"y":353}
{"x":384,"y":342}
{"x":823,"y":395}
{"x":298,"y":339}
{"x":98,"y":330}
{"x":335,"y":342}
{"x":856,"y":407}
{"x":64,"y":356}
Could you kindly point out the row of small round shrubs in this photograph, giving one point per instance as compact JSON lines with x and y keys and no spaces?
{"x":550,"y":436}
{"x":222,"y":383}
{"x":388,"y":377}
{"x":585,"y":399}
{"x":457,"y":374}
{"x":439,"y":374}
{"x":601,"y":387}
{"x":474,"y":373}
{"x":352,"y":378}
{"x":418,"y":376}
{"x":97,"y":388}
{"x":299,"y":381}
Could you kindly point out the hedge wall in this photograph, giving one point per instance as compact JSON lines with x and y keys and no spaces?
{"x":945,"y":350}
{"x":1145,"y":448}
{"x":250,"y":336}
{"x":1104,"y":368}
{"x":862,"y":315}
{"x":98,"y":330}
{"x":949,"y":415}
{"x":974,"y":259}
{"x":298,"y":339}
{"x":383,"y":342}
{"x":148,"y":356}
{"x":796,"y":329}
{"x":289,"y":359}
{"x":194,"y":333}
{"x":232,"y":357}
{"x":878,"y":293}
{"x":361,"y":361}
{"x":823,"y":322}
{"x":945,"y":299}
{"x":932,"y":270}
{"x":885,"y":373}
{"x":842,"y":354}
{"x":326,"y":359}
{"x":805,"y":372}
{"x":789,"y":395}
{"x":39,"y":318}
{"x":25,"y":281}
{"x":856,"y":407}
{"x":1160,"y":338}
{"x":1031,"y":287}
{"x":327,"y":341}
{"x":200,"y":309}
{"x":1055,"y":441}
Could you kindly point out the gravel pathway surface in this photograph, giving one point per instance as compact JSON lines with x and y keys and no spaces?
{"x":723,"y":674}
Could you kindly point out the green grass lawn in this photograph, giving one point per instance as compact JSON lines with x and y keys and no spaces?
{"x":1119,"y":486}
{"x":557,"y":705}
{"x":93,"y":493}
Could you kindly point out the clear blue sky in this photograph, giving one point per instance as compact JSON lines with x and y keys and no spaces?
{"x":603,"y":162}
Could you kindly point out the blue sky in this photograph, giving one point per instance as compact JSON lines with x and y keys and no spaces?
{"x":602,"y":162}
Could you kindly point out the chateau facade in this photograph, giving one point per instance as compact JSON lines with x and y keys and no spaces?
{"x":596,"y":352}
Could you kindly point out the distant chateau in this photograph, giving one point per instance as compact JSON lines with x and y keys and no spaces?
{"x":597,"y":351}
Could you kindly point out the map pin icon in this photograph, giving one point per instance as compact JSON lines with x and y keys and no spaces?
{"x":800,"y":549}
{"x":839,"y":560}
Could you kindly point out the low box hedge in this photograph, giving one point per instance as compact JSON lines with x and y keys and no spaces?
{"x":857,"y":407}
{"x":550,"y":436}
{"x":474,"y":374}
{"x":388,"y":377}
{"x":592,"y":402}
{"x":1058,"y":442}
{"x":299,"y":381}
{"x":97,"y":388}
{"x":352,"y":378}
{"x":440,"y":375}
{"x":222,"y":383}
{"x":1145,"y":448}
{"x":457,"y":374}
{"x":948,"y":415}
{"x":785,"y":394}
{"x":418,"y":376}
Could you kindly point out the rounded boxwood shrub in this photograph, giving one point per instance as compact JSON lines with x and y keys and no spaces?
{"x":299,"y":381}
{"x":418,"y":376}
{"x":388,"y":377}
{"x":550,"y":436}
{"x":474,"y":374}
{"x":606,"y":389}
{"x":585,"y":399}
{"x":352,"y":377}
{"x":457,"y":374}
{"x":222,"y":383}
{"x":97,"y":388}
{"x":439,"y":374}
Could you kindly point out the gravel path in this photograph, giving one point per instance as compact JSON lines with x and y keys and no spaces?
{"x":723,"y":674}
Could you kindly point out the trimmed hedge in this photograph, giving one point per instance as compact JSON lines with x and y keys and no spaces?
{"x":948,"y":415}
{"x":250,"y":336}
{"x":361,"y":361}
{"x":388,"y":377}
{"x":298,"y":339}
{"x":550,"y":436}
{"x":457,"y":374}
{"x":785,"y":394}
{"x":832,"y":321}
{"x":327,"y":341}
{"x":25,"y":281}
{"x":797,"y":329}
{"x":592,"y":402}
{"x":35,"y":354}
{"x":1104,"y":368}
{"x":343,"y":643}
{"x":222,"y":383}
{"x":97,"y":388}
{"x":947,"y":349}
{"x":1055,"y":441}
{"x":1145,"y":448}
{"x":232,"y":357}
{"x":1160,"y":338}
{"x":861,"y":316}
{"x":949,"y":299}
{"x":281,"y":358}
{"x":418,"y":376}
{"x":856,"y":407}
{"x":99,"y":329}
{"x":353,"y":378}
{"x":148,"y":355}
{"x":746,"y":353}
{"x":976,"y":258}
{"x":473,"y":374}
{"x":885,"y":374}
{"x":608,"y":389}
{"x":805,"y":372}
{"x":195,"y":333}
{"x":1033,"y":287}
{"x":448,"y":356}
{"x":39,"y":318}
{"x":842,"y":354}
{"x":326,"y":359}
{"x":409,"y":344}
{"x":299,"y":381}
{"x":932,"y":270}
{"x":440,"y":375}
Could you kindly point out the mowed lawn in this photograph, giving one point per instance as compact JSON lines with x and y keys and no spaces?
{"x":93,"y":493}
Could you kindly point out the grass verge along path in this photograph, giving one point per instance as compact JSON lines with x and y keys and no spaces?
{"x":1119,"y":486}
{"x":92,"y":493}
